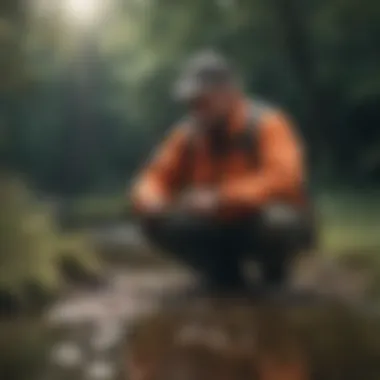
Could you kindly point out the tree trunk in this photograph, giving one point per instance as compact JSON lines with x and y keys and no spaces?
{"x":293,"y":24}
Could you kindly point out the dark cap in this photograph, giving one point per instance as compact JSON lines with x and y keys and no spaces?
{"x":203,"y":72}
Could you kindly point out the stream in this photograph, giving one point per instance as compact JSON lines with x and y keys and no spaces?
{"x":91,"y":325}
{"x":94,"y":324}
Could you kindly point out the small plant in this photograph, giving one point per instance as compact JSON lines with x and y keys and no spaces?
{"x":32,"y":250}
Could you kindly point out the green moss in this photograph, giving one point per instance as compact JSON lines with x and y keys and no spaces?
{"x":349,"y":222}
{"x":32,"y":249}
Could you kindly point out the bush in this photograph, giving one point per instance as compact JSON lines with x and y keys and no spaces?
{"x":32,"y":250}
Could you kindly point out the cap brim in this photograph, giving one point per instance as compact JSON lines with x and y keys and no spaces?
{"x":188,"y":90}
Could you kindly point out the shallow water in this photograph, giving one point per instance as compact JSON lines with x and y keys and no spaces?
{"x":83,"y":335}
{"x":93,"y":325}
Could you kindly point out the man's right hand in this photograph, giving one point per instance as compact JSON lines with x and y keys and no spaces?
{"x":149,"y":203}
{"x":154,"y":206}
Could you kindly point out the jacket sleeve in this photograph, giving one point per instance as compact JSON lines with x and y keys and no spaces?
{"x":281,"y":170}
{"x":159,"y":179}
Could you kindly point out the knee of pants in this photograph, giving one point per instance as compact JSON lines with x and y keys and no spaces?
{"x":158,"y":232}
{"x":173,"y":231}
{"x":150,"y":228}
{"x":285,"y":226}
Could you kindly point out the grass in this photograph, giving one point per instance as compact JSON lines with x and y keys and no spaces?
{"x":349,"y":223}
{"x":96,"y":209}
{"x":32,"y":249}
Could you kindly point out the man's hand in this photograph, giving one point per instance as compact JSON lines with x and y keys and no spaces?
{"x":200,"y":201}
{"x":150,"y":203}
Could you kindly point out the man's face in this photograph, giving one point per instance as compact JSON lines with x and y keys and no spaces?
{"x":213,"y":107}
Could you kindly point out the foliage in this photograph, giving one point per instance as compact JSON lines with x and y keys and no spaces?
{"x":97,"y":100}
{"x":349,"y":221}
{"x":32,"y":250}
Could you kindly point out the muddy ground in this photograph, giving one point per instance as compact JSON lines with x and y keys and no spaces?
{"x":92,"y":325}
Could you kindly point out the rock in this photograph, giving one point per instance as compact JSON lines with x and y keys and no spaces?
{"x":100,"y":370}
{"x":107,"y":335}
{"x":67,"y":355}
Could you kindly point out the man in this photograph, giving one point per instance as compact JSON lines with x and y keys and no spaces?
{"x":227,"y":183}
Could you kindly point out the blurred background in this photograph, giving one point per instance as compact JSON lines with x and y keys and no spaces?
{"x":85,"y":96}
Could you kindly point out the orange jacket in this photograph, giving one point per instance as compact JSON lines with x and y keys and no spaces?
{"x":279,"y":177}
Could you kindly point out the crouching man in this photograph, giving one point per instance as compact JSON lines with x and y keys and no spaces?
{"x":228,"y":182}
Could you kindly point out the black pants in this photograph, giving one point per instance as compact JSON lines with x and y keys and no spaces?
{"x":216,"y":249}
